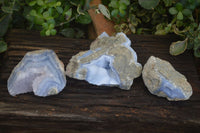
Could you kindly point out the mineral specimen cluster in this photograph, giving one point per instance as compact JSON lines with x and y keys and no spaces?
{"x":110,"y":62}
{"x":40,"y":72}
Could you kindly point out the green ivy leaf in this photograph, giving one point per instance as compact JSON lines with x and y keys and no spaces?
{"x":160,"y":32}
{"x":179,"y":6}
{"x":115,"y":12}
{"x":122,"y":6}
{"x":40,"y":2}
{"x":122,"y":13}
{"x":68,"y":32}
{"x":51,"y":21}
{"x":68,"y":14}
{"x":53,"y":32}
{"x":126,"y":2}
{"x":197,"y":52}
{"x":59,"y":9}
{"x":46,"y":14}
{"x":133,"y":20}
{"x":47,"y":33}
{"x":84,"y":19}
{"x":173,"y":11}
{"x":187,"y":12}
{"x":42,"y":33}
{"x":45,"y":25}
{"x":148,"y":4}
{"x":79,"y":33}
{"x":104,"y":11}
{"x":33,"y":12}
{"x":51,"y":26}
{"x":196,"y":43}
{"x":4,"y":23}
{"x":178,"y":47}
{"x":32,"y":3}
{"x":3,"y":46}
{"x":168,"y":2}
{"x":58,"y":3}
{"x":38,"y":20}
{"x":132,"y":28}
{"x":114,"y":4}
{"x":180,"y":16}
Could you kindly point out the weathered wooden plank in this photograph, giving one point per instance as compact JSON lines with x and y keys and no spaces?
{"x":84,"y":107}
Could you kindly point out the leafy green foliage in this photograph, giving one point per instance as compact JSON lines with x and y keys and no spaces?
{"x":4,"y":23}
{"x":50,"y":14}
{"x":161,"y":17}
{"x":180,"y":12}
{"x":193,"y":35}
{"x":72,"y":32}
{"x":148,"y":4}
{"x":84,"y":19}
{"x":7,"y":9}
{"x":118,"y":9}
{"x":3,"y":46}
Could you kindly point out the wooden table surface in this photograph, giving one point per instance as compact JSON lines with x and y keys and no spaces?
{"x":82,"y":107}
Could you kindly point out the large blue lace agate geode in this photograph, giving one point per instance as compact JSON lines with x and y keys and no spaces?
{"x":110,"y":62}
{"x":40,"y":72}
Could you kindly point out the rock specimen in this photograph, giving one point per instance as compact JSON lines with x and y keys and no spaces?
{"x":163,"y":80}
{"x":40,"y":72}
{"x":110,"y":61}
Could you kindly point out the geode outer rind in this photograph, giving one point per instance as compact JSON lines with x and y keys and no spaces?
{"x":163,"y":80}
{"x":110,"y":61}
{"x":40,"y":72}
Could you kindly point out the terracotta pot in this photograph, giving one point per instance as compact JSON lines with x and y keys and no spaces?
{"x":100,"y":23}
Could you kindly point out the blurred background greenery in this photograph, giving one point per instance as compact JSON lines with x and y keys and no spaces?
{"x":70,"y":19}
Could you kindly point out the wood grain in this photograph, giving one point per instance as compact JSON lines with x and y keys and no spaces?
{"x":82,"y":107}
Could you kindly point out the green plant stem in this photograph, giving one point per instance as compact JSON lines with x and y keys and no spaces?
{"x":174,"y":20}
{"x":197,"y":15}
{"x":73,"y":18}
{"x":61,"y":24}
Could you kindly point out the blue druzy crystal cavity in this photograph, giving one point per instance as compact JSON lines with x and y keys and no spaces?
{"x":110,"y":62}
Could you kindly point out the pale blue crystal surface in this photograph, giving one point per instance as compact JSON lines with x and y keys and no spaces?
{"x":40,"y":72}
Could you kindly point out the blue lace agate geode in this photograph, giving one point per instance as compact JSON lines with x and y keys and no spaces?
{"x":163,"y":80}
{"x":40,"y":72}
{"x":110,"y":61}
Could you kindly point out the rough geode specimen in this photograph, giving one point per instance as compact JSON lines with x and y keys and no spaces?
{"x":110,"y":62}
{"x":163,"y":80}
{"x":40,"y":72}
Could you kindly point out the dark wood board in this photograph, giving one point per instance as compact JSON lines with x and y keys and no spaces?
{"x":82,"y":107}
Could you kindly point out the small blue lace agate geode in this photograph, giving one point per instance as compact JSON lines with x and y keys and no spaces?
{"x":110,"y":62}
{"x":163,"y":80}
{"x":40,"y":72}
